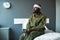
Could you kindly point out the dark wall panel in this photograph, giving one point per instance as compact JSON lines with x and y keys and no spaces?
{"x":23,"y":9}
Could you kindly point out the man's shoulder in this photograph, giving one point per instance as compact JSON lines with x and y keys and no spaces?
{"x":31,"y":17}
{"x":43,"y":15}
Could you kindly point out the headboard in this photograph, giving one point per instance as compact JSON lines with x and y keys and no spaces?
{"x":24,"y":21}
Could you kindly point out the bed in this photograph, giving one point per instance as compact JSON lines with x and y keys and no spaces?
{"x":49,"y":35}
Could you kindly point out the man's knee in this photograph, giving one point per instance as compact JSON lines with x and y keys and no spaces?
{"x":34,"y":34}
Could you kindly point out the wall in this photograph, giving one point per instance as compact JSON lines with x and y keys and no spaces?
{"x":23,"y":9}
{"x":58,"y":15}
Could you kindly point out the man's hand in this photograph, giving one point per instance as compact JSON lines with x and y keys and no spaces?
{"x":27,"y":31}
{"x":30,"y":30}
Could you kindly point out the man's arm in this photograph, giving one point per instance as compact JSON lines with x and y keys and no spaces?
{"x":40,"y":25}
{"x":28,"y":26}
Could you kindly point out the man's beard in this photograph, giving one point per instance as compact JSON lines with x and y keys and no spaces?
{"x":37,"y":12}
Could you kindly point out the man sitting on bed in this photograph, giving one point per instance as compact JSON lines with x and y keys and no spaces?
{"x":35,"y":25}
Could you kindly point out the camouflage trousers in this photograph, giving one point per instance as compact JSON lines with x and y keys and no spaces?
{"x":31,"y":36}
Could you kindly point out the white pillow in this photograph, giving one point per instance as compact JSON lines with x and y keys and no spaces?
{"x":49,"y":36}
{"x":47,"y":30}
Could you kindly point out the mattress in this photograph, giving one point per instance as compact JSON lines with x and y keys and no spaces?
{"x":49,"y":35}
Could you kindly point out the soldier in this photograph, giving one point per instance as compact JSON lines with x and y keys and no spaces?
{"x":35,"y":25}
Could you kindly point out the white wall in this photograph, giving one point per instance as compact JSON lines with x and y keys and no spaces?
{"x":58,"y":15}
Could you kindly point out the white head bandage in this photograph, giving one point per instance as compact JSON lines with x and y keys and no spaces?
{"x":36,"y":5}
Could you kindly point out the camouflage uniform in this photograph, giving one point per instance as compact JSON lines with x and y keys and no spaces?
{"x":36,"y":23}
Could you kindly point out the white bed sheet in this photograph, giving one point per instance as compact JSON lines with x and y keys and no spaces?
{"x":49,"y":35}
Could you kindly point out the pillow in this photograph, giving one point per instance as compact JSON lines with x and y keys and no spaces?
{"x":47,"y":30}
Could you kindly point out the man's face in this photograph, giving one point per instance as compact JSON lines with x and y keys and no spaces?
{"x":35,"y":9}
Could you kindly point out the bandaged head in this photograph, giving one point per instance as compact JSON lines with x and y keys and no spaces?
{"x":37,"y":5}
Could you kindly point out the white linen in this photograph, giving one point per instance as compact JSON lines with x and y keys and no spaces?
{"x":49,"y":35}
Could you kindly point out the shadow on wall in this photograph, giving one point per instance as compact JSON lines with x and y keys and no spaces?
{"x":0,"y":26}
